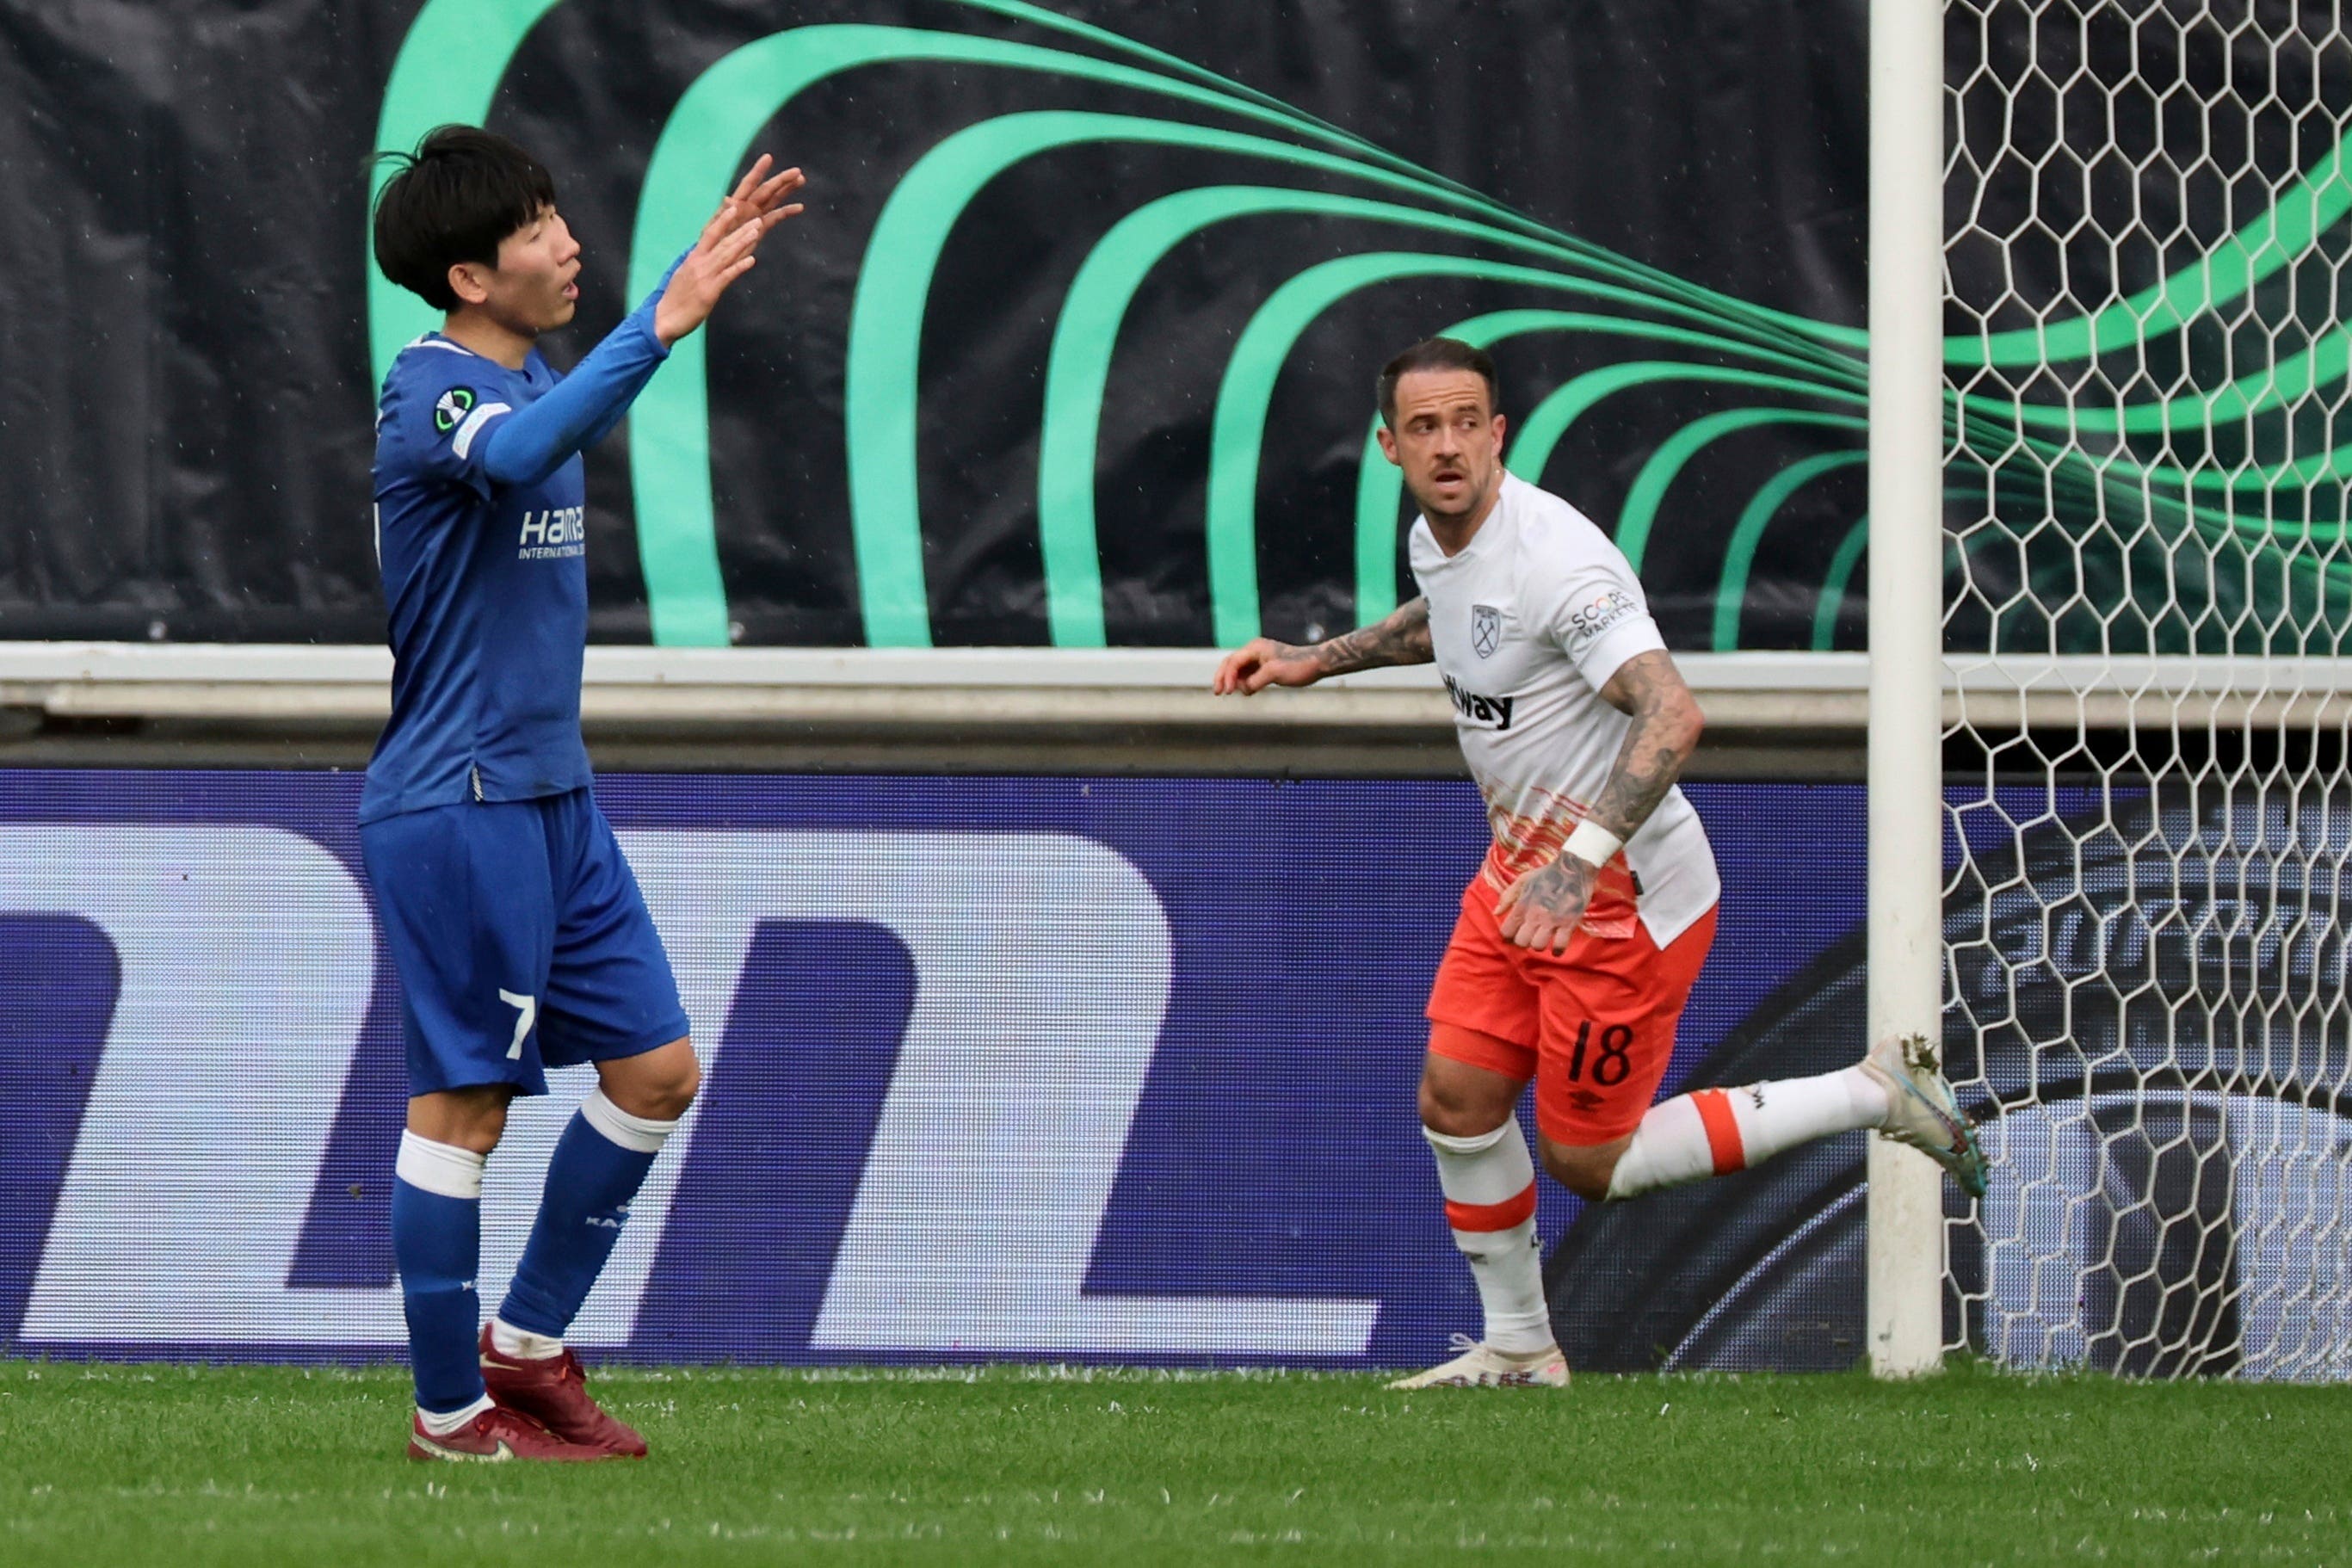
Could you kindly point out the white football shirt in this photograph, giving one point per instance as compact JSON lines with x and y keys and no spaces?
{"x":1528,"y":623}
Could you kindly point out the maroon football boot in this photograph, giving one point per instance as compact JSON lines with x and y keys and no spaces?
{"x":496,"y":1436}
{"x":553,"y":1392}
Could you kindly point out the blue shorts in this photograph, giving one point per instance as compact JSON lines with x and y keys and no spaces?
{"x":520,"y":940}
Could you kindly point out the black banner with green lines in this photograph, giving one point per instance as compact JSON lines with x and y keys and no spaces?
{"x":1074,"y":344}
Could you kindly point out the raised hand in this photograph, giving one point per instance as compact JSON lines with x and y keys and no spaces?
{"x":727,"y":249}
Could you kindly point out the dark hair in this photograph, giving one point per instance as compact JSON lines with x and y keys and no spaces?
{"x":1436,"y":353}
{"x":453,"y":199}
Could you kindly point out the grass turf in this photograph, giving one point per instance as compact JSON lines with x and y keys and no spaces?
{"x":188,"y":1466}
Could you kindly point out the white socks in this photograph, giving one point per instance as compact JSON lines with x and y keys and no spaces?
{"x":639,"y":1134}
{"x":1711,"y":1132}
{"x":441,"y":1169}
{"x":455,"y":1421}
{"x":521,"y":1344}
{"x":1489,"y":1181}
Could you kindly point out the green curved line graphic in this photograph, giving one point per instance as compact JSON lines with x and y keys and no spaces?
{"x":1666,"y":464}
{"x":1086,"y":335}
{"x":458,"y":51}
{"x":1503,"y":213}
{"x":2322,"y":364}
{"x":1833,"y":594}
{"x":676,"y":524}
{"x":455,"y":53}
{"x":2303,"y":210}
{"x":706,"y":138}
{"x":885,"y":321}
{"x":1551,"y":419}
{"x":885,"y":337}
{"x":1778,"y":321}
{"x":1747,"y":533}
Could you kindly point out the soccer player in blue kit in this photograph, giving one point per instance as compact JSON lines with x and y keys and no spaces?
{"x":517,"y":929}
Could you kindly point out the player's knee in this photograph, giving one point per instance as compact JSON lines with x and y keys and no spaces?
{"x":670,"y":1095}
{"x":685,"y":1085}
{"x":659,"y":1086}
{"x":472,"y":1118}
{"x":1582,"y":1171}
{"x":1444,"y":1108}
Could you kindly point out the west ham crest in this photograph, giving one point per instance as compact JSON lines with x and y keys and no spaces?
{"x":1486,"y":629}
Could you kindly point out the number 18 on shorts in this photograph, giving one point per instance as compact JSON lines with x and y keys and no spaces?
{"x":1593,"y":1027}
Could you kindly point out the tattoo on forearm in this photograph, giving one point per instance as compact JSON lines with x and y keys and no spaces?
{"x":1401,"y":638}
{"x":1658,"y":744}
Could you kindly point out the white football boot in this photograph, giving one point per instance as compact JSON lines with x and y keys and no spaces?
{"x":1481,"y":1367}
{"x":1922,"y":1110}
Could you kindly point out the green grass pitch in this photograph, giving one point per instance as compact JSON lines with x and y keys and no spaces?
{"x":128,"y":1465}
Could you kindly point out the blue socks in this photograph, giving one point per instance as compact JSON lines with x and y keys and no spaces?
{"x":437,"y":1240}
{"x":600,"y":1163}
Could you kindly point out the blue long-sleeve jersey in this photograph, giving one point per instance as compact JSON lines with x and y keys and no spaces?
{"x":480,"y":519}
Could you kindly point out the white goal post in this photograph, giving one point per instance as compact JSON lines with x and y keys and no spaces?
{"x":1906,"y":1267}
{"x":2111,"y":515}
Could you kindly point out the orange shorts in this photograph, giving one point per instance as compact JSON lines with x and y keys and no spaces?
{"x":1594,"y":1027}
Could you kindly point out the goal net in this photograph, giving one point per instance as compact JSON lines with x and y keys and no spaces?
{"x":2147,"y":592}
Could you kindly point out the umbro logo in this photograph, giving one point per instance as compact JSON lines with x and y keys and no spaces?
{"x":449,"y":410}
{"x":1485,"y":630}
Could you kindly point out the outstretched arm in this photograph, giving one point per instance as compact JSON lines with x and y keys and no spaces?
{"x":1542,"y":908}
{"x":1401,"y":638}
{"x":525,"y":447}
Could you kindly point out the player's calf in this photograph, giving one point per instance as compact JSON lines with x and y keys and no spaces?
{"x":1584,"y":1170}
{"x":1714,"y":1131}
{"x":599,"y":1163}
{"x":1469,"y":1088}
{"x":1490,"y":1207}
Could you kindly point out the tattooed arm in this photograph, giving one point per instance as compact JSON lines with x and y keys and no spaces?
{"x":1401,"y":638}
{"x":1543,"y":906}
{"x":1658,"y":744}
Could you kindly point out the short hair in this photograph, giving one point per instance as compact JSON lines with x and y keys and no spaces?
{"x":1436,"y":353}
{"x":453,"y":199}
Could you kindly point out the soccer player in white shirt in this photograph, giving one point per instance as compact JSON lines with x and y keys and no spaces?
{"x":1580,"y":936}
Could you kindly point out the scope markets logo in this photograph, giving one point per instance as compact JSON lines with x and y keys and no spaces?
{"x":1029,"y":973}
{"x":1589,"y":620}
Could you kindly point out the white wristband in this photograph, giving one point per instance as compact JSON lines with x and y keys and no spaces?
{"x":1592,"y":844}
